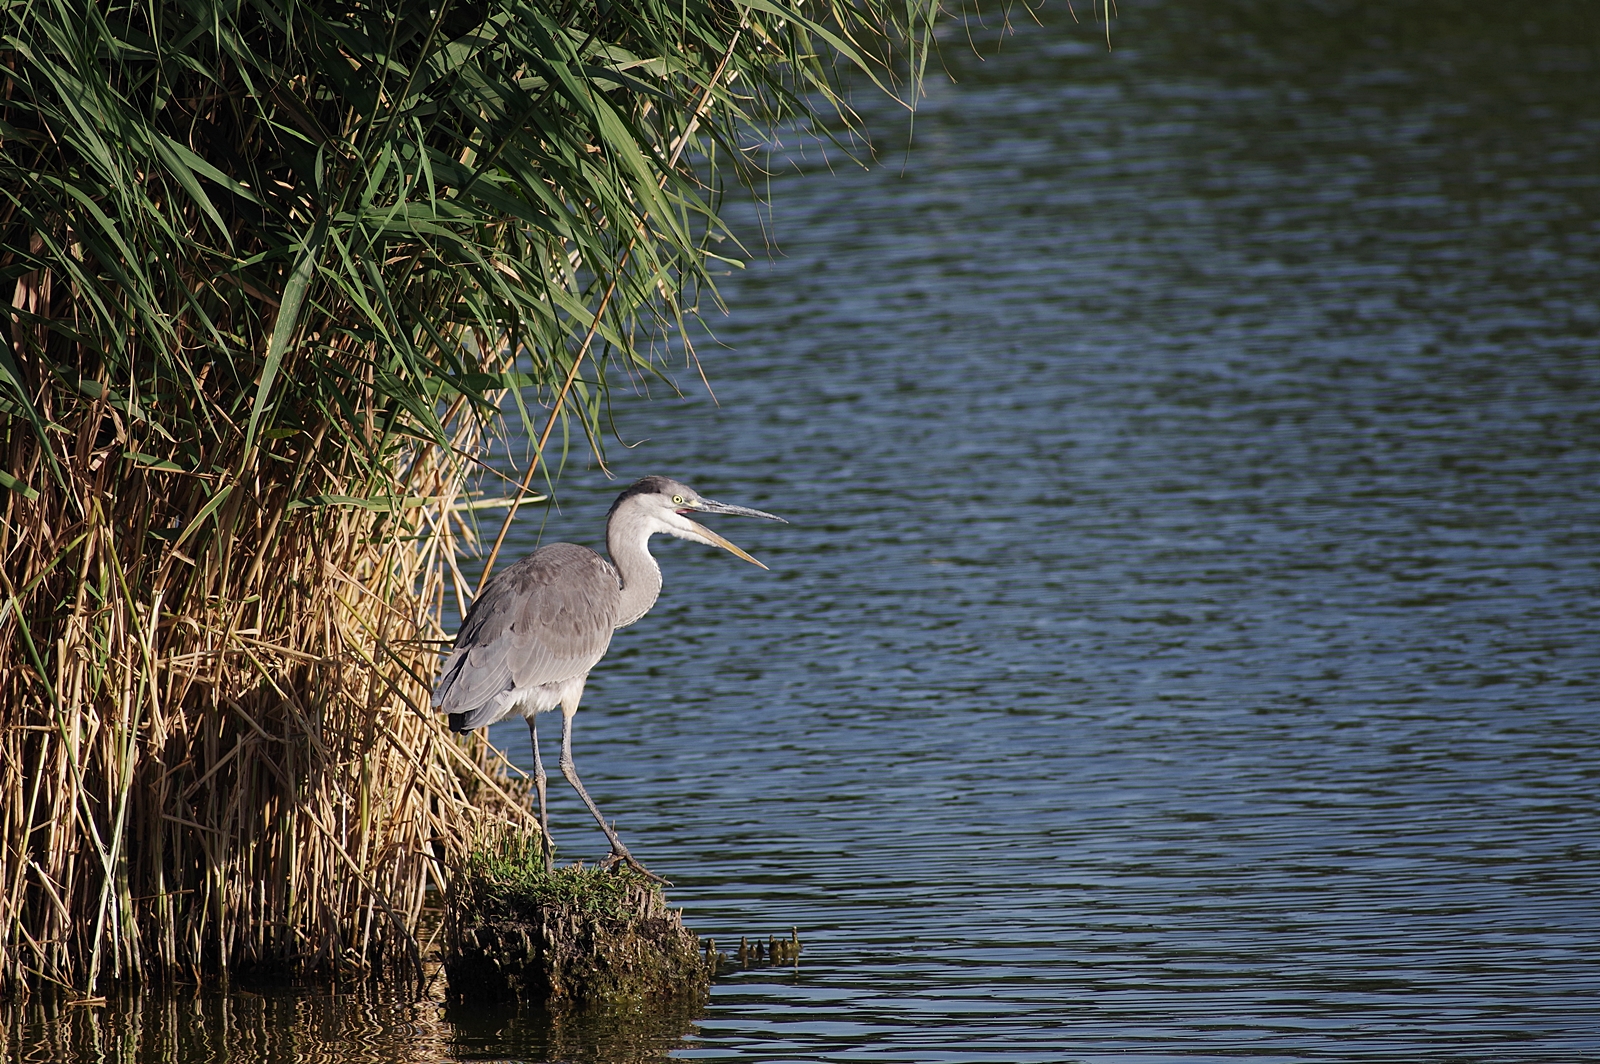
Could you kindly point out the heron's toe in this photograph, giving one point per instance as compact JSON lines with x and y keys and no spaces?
{"x":625,"y":858}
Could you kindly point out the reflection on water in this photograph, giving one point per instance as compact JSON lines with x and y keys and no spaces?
{"x":351,"y":1025}
{"x":244,"y":1025}
{"x":624,"y":1034}
{"x":1186,"y":645}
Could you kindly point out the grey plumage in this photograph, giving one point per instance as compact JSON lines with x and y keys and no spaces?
{"x":527,"y":644}
{"x":539,"y":625}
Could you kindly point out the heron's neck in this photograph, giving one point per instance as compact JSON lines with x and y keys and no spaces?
{"x":641,"y":576}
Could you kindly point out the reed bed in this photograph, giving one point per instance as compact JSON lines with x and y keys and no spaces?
{"x":222,"y":756}
{"x":252,"y":780}
{"x":273,"y":271}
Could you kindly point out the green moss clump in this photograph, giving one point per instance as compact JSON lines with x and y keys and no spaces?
{"x":514,"y":932}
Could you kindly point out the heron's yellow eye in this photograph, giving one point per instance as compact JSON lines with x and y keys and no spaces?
{"x":677,"y":500}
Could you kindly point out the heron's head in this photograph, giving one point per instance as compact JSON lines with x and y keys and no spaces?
{"x":661,"y":504}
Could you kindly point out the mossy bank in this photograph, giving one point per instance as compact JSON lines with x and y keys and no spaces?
{"x":514,"y":932}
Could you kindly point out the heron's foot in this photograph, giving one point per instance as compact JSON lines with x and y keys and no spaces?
{"x":616,"y":857}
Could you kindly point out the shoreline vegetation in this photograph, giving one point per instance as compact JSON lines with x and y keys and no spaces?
{"x":273,"y":273}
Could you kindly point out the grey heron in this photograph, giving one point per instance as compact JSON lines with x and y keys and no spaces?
{"x":529,"y":640}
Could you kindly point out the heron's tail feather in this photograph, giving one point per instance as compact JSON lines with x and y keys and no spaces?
{"x":476,"y":718}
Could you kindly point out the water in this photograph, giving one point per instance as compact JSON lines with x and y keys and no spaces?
{"x":1186,"y":646}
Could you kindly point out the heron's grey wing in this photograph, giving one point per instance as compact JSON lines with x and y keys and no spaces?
{"x":544,"y":620}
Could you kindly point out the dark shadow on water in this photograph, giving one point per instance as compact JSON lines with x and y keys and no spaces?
{"x":321,"y":1025}
{"x":621,"y":1034}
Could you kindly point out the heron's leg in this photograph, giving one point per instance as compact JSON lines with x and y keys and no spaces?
{"x":538,"y":789}
{"x":619,"y":852}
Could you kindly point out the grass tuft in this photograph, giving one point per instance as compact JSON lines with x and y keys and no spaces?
{"x":507,"y":870}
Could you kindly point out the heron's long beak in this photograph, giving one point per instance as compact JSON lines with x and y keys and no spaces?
{"x":708,"y":506}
